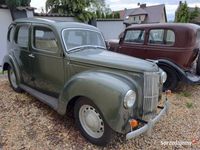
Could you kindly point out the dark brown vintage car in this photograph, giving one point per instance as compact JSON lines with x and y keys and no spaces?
{"x":174,"y":46}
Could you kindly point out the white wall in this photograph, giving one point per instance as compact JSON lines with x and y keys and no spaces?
{"x":110,"y":29}
{"x":5,"y":20}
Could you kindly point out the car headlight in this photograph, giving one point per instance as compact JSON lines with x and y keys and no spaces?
{"x":163,"y":76}
{"x":129,"y":99}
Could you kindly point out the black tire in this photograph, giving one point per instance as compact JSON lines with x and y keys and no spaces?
{"x":172,"y":79}
{"x":107,"y":133}
{"x":198,"y":66}
{"x":11,"y":75}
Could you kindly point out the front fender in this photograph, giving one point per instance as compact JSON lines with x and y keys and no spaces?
{"x":105,"y":90}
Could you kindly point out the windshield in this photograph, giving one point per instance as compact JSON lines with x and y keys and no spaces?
{"x":78,"y":38}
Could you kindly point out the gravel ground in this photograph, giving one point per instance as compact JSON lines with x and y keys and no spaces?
{"x":26,"y":123}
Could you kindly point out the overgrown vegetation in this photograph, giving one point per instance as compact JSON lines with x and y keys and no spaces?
{"x":15,"y":3}
{"x":84,"y":10}
{"x":185,"y":94}
{"x":182,"y":13}
{"x":185,"y":14}
{"x":189,"y":105}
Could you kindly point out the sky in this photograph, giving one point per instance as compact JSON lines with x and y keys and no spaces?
{"x":171,"y":5}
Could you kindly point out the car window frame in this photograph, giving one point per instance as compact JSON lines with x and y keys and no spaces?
{"x":15,"y":37}
{"x":143,"y":43}
{"x":164,"y":37}
{"x":65,"y":45}
{"x":11,"y":31}
{"x":35,"y":49}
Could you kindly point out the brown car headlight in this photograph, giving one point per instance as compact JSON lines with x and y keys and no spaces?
{"x":129,"y":99}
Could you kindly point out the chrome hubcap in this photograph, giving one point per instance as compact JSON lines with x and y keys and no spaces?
{"x":91,"y":121}
{"x":13,"y":79}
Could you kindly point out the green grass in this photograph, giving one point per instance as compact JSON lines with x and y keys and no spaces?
{"x":189,"y":105}
{"x":1,"y":72}
{"x":185,"y":94}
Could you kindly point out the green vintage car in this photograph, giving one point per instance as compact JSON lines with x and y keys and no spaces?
{"x":66,"y":65}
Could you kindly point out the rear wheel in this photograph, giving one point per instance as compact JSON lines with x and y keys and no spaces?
{"x":13,"y":80}
{"x":172,"y":79}
{"x":91,"y":123}
{"x":198,"y":66}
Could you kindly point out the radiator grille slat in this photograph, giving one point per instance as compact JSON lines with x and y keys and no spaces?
{"x":151,"y":92}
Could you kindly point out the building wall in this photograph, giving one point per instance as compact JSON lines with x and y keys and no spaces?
{"x":110,"y":28}
{"x":6,"y":19}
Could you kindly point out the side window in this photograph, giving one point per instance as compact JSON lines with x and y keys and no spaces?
{"x":135,"y":36}
{"x":22,"y":35}
{"x":44,"y":39}
{"x":156,"y":36}
{"x":170,"y":37}
{"x":10,"y":34}
{"x":161,"y":37}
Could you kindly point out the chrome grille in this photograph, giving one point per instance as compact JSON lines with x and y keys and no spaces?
{"x":151,"y":92}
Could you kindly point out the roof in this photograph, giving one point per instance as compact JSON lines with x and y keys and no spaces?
{"x":154,"y":13}
{"x":167,"y":25}
{"x":52,"y":15}
{"x":18,"y":8}
{"x":59,"y":25}
{"x":138,"y":11}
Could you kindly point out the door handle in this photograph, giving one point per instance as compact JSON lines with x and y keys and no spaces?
{"x":31,"y":55}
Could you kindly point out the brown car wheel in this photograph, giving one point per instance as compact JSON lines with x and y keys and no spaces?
{"x":91,"y":123}
{"x":172,"y":79}
{"x":198,"y":66}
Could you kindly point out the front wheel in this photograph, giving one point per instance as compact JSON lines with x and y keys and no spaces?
{"x":91,"y":123}
{"x":172,"y":79}
{"x":13,"y":80}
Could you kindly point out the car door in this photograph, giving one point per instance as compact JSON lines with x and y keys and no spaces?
{"x":160,"y":44}
{"x":133,"y":43}
{"x":22,"y":52}
{"x":48,"y":71}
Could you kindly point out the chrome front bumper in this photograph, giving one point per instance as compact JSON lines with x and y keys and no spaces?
{"x":148,"y":127}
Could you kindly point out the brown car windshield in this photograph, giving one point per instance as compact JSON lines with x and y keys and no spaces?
{"x":80,"y":38}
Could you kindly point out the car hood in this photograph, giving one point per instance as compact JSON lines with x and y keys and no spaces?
{"x":112,"y":60}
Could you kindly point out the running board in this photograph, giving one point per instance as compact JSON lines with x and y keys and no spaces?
{"x":49,"y":100}
{"x":192,"y":78}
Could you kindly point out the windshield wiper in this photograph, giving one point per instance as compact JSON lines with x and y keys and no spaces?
{"x":84,"y":47}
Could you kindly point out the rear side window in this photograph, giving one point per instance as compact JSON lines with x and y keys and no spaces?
{"x":134,"y":36}
{"x":22,"y":35}
{"x":45,"y":39}
{"x":161,"y":37}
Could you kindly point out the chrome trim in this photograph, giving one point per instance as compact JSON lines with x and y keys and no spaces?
{"x":149,"y":126}
{"x":151,"y":92}
{"x":67,"y":50}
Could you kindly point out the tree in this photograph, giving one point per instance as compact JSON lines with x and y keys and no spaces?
{"x":182,"y":14}
{"x":194,"y":14}
{"x":116,"y":14}
{"x":84,"y":10}
{"x":12,"y":4}
{"x":2,"y":2}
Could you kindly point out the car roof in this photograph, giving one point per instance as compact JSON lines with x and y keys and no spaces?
{"x":167,"y":25}
{"x":56,"y":23}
